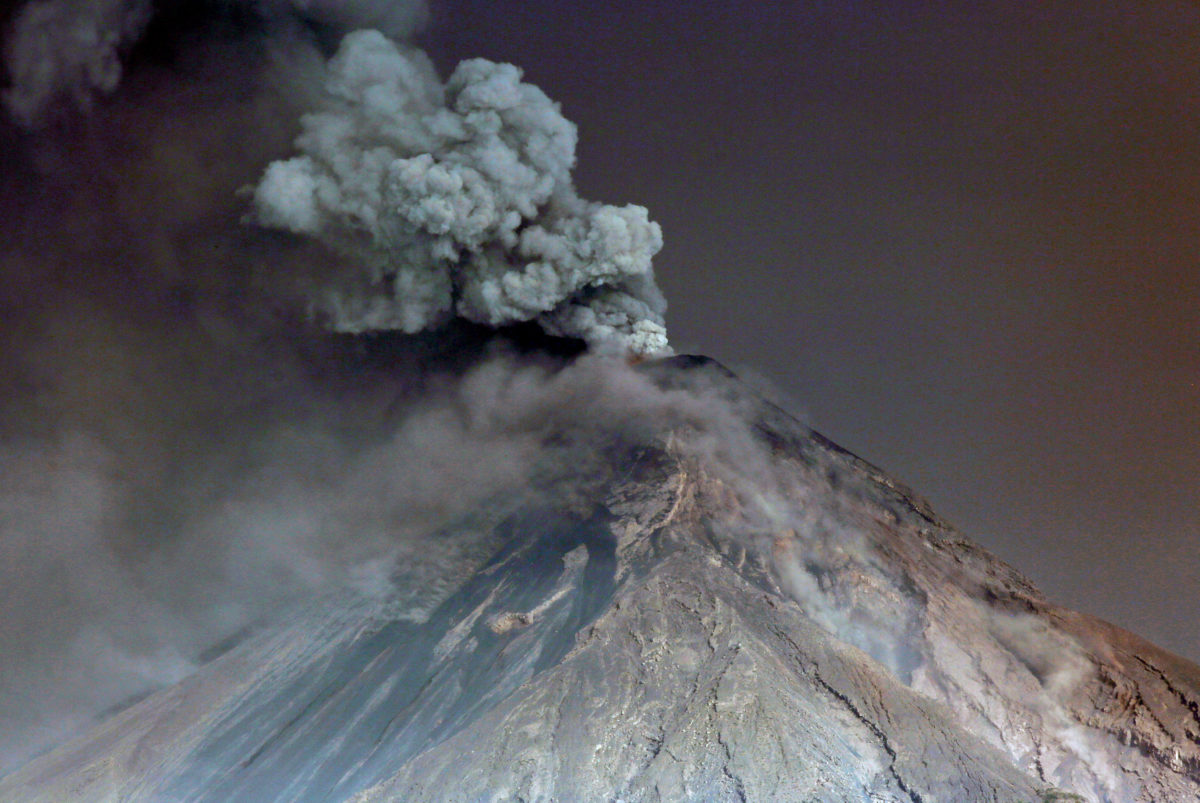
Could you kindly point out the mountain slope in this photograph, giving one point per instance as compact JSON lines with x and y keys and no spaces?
{"x":725,"y":606}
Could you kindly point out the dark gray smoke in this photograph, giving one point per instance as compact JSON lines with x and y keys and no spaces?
{"x":457,"y":199}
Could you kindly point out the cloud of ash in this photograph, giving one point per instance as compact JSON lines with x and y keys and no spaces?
{"x":457,"y":199}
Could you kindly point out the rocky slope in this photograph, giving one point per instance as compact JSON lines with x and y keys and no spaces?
{"x":722,"y":608}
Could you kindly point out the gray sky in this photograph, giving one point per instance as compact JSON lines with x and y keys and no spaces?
{"x":963,"y":238}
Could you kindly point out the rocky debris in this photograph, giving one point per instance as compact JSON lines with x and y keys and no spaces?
{"x":696,"y":685}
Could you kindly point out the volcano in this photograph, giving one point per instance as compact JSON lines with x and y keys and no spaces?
{"x":709,"y":608}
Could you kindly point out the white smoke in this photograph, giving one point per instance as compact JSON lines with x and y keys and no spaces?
{"x":451,"y":200}
{"x":456,"y":200}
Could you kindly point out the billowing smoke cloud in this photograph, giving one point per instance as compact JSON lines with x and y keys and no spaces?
{"x":457,"y":199}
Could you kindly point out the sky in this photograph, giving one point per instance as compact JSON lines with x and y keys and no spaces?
{"x":961,"y":238}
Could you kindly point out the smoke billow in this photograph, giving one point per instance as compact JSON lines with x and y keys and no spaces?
{"x":457,"y":199}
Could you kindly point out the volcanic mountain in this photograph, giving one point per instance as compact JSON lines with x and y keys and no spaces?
{"x":711,"y":603}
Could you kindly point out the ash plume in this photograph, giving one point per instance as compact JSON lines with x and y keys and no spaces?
{"x":457,"y":199}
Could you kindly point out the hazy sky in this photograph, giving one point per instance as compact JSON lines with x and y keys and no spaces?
{"x":963,"y":238}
